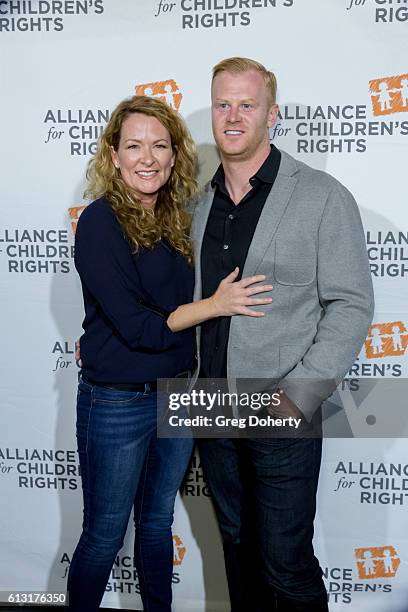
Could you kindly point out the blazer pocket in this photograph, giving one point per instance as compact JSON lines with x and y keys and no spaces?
{"x":295,"y":262}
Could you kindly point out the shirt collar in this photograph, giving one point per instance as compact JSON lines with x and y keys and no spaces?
{"x":265,"y":174}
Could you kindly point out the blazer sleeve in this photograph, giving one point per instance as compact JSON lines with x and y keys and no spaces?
{"x":104,"y":261}
{"x":346,"y":295}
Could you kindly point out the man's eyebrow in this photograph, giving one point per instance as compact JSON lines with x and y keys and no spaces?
{"x":243,"y":101}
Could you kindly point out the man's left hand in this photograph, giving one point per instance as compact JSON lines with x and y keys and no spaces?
{"x":285,"y":408}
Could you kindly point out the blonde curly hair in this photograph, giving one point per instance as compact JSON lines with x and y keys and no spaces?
{"x":170,"y":220}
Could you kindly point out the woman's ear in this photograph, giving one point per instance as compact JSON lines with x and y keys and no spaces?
{"x":114,"y":157}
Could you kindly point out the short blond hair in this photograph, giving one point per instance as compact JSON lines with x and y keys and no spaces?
{"x":235,"y":65}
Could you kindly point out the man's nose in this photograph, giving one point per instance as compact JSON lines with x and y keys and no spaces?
{"x":233,"y":115}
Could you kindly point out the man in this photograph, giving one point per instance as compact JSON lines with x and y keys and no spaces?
{"x":270,"y":214}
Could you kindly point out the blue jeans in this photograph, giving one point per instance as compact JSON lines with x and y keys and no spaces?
{"x":124,"y":465}
{"x":264,"y":491}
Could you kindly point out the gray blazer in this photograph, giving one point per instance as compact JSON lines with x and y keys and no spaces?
{"x":309,"y":242}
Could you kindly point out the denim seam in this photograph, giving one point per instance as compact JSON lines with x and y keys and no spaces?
{"x":88,"y":467}
{"x":88,"y":425}
{"x":81,"y":544}
{"x":142,"y":484}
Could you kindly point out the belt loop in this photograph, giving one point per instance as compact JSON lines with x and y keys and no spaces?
{"x":147,"y":387}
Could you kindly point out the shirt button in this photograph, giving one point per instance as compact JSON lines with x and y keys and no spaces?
{"x":230,"y":217}
{"x":226,"y":247}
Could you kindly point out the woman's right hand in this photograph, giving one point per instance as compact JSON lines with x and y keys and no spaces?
{"x":234,"y":297}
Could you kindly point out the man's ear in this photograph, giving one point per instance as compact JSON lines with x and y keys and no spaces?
{"x":273,"y":115}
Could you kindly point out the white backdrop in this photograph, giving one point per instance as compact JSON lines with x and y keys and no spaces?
{"x":343,"y":91}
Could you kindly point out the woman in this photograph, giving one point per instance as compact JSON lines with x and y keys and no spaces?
{"x":134,"y":258}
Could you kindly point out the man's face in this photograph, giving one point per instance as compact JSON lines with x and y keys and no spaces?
{"x":241,"y":114}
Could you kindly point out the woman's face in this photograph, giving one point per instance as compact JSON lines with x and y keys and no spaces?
{"x":145,"y":156}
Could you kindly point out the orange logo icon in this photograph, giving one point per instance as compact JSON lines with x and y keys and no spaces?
{"x":377,"y":562}
{"x":165,"y":90}
{"x":389,"y":95}
{"x":386,"y":340}
{"x":179,"y":550}
{"x":74,"y":214}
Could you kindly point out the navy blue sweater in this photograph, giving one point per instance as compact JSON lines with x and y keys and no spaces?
{"x":125,"y":341}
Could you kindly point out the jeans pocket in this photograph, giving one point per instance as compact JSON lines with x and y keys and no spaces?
{"x":106,"y":396}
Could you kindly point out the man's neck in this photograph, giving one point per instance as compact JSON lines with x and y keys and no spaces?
{"x":238,"y":172}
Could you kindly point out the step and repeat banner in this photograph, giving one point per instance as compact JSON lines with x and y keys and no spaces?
{"x":342,"y":69}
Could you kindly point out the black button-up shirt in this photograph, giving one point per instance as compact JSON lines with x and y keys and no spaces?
{"x":228,"y":235}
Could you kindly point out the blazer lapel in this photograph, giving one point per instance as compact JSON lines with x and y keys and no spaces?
{"x":200,"y":219}
{"x":275,"y":205}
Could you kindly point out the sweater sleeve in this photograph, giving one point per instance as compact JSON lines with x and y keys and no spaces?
{"x":105,"y":264}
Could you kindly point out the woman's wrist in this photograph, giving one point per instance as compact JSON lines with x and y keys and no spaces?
{"x":213,"y":307}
